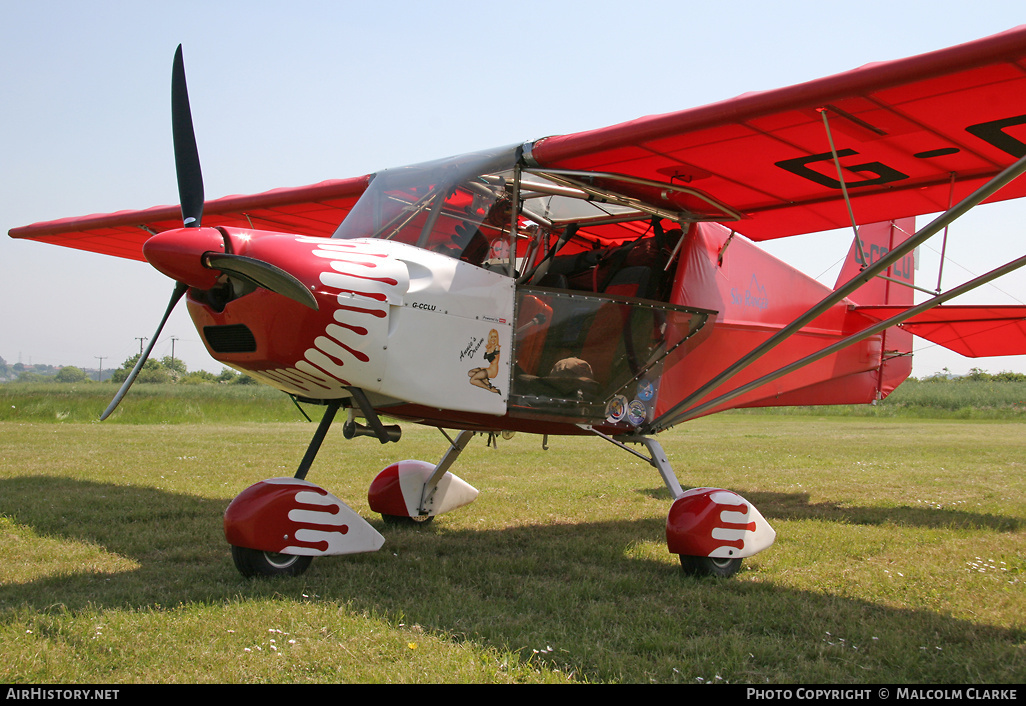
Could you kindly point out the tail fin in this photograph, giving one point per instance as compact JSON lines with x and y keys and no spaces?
{"x":893,"y":289}
{"x":971,"y":330}
{"x":877,"y":240}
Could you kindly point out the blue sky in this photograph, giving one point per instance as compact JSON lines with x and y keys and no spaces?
{"x":291,"y":94}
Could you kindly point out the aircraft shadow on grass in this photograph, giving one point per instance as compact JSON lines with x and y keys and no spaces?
{"x":177,"y":544}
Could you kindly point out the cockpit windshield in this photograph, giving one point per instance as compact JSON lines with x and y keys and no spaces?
{"x":461,"y":207}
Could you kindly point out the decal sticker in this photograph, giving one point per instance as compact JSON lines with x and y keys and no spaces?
{"x":646,"y":390}
{"x":616,"y":409}
{"x":995,"y":133}
{"x":470,"y":350}
{"x":636,"y":412}
{"x":296,"y":517}
{"x":901,"y":270}
{"x":361,"y":277}
{"x":800,"y":167}
{"x":482,"y":377}
{"x":717,"y":523}
{"x":753,"y":296}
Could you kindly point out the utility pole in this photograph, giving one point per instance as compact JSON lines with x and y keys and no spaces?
{"x":141,"y":339}
{"x":173,"y":339}
{"x":99,"y":375}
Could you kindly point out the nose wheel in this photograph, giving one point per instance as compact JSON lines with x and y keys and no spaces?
{"x":404,"y":521}
{"x":256,"y":563}
{"x":709,"y":566}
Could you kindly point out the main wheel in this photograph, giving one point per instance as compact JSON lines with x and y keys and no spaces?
{"x":709,"y":566}
{"x":406,"y":521}
{"x":253,"y":562}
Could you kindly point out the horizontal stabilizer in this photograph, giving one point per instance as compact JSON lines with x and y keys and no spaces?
{"x":973,"y":331}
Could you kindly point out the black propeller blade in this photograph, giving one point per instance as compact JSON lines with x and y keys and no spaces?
{"x":190,"y":194}
{"x":187,"y":162}
{"x":175,"y":296}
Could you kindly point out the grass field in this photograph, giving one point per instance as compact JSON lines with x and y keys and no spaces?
{"x":199,"y":404}
{"x":900,"y":558}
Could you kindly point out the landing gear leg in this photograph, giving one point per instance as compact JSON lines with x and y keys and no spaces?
{"x":427,"y":498}
{"x":318,"y":439}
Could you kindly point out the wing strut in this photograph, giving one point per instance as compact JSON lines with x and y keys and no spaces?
{"x":844,"y":187}
{"x":657,"y":458}
{"x":856,"y":337}
{"x":669,"y":418}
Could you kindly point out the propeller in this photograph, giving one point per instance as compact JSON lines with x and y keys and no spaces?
{"x":190,"y":195}
{"x":180,"y":289}
{"x":187,"y":162}
{"x":184,"y":259}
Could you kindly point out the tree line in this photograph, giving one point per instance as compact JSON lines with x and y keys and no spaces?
{"x":163,"y":370}
{"x":974,"y":375}
{"x":173,"y":370}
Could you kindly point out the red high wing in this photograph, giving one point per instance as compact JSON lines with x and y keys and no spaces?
{"x":973,"y":331}
{"x":306,"y":210}
{"x":903,"y":130}
{"x":913,"y":135}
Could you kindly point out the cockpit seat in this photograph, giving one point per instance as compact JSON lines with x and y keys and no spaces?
{"x":533,"y":319}
{"x":631,"y":282}
{"x":554,"y":280}
{"x":632,"y":269}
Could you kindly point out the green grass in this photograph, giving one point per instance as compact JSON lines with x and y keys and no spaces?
{"x":209,"y":403}
{"x":148,"y":403}
{"x":916,"y":399}
{"x":900,"y":558}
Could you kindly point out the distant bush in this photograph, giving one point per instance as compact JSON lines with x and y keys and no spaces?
{"x":966,"y":393}
{"x":69,"y":373}
{"x":154,"y":371}
{"x":198,"y":377}
{"x":974,"y":375}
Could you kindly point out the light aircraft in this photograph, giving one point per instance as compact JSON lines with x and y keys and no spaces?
{"x":605,"y":283}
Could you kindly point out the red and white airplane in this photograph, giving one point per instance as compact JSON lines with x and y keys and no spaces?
{"x":605,"y":283}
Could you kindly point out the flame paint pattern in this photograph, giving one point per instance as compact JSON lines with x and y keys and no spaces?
{"x":312,"y":525}
{"x":296,"y":517}
{"x":366,"y":280}
{"x":734,"y":524}
{"x":716,"y":523}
